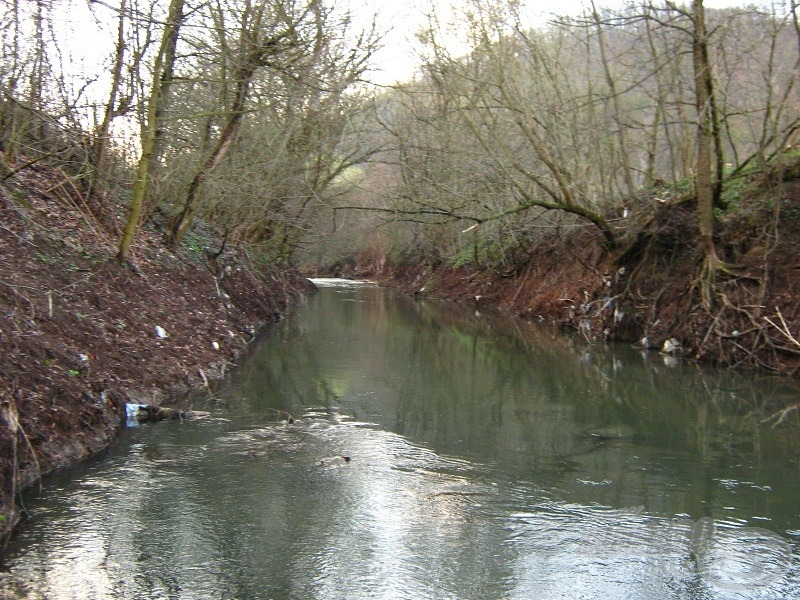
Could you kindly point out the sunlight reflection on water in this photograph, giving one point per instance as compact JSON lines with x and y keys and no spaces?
{"x":394,"y":521}
{"x":428,"y":462}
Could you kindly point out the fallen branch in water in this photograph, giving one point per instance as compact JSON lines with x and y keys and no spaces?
{"x":781,"y":414}
{"x":283,"y":415}
{"x":204,"y":378}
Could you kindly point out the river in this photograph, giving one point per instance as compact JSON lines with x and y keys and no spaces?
{"x":433,"y":452}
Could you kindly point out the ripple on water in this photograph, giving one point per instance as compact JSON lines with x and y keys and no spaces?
{"x":278,"y":502}
{"x":739,"y":559}
{"x":576,"y":549}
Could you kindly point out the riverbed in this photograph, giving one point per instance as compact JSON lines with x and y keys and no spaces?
{"x":376,"y":446}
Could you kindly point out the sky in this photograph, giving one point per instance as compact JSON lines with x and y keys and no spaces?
{"x":91,"y":41}
{"x":397,"y":60}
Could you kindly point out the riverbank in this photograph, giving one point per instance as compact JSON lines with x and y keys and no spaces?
{"x":647,"y":291}
{"x":81,"y":335}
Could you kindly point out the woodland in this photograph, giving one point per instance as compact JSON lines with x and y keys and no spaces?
{"x":633,"y":174}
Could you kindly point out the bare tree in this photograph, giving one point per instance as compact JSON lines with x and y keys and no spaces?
{"x":512,"y":94}
{"x":269,"y":34}
{"x":114,"y":107}
{"x":615,"y":99}
{"x":704,"y":189}
{"x":162,"y":80}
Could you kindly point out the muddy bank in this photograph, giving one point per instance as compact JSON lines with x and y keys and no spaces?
{"x":81,"y":335}
{"x":647,"y":291}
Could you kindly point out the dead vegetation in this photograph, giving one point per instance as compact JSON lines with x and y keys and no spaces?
{"x":81,"y":335}
{"x":650,"y":291}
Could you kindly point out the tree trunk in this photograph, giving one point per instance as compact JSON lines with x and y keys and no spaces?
{"x":164,"y":63}
{"x":181,"y":222}
{"x":612,"y":90}
{"x":100,"y":144}
{"x":704,"y":186}
{"x":10,"y":81}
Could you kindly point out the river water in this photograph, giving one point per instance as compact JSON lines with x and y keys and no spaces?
{"x":434,"y":453}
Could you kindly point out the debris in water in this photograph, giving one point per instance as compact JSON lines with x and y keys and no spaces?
{"x":145,"y":413}
{"x":671,"y":346}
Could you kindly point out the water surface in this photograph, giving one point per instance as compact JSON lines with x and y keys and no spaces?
{"x":434,"y":453}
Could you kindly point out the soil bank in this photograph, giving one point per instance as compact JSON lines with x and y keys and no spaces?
{"x":648,"y":290}
{"x":81,"y":335}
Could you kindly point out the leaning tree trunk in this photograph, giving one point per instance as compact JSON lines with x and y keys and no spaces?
{"x":180,"y":222}
{"x":164,"y":63}
{"x":101,"y":134}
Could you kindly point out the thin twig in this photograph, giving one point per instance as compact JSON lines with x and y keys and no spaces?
{"x":783,"y":328}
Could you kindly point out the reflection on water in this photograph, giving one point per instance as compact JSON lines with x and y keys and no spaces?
{"x":435,"y":454}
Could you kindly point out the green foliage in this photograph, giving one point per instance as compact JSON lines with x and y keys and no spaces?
{"x":196,"y":244}
{"x":682,"y":186}
{"x":732,"y":191}
{"x":463,"y":258}
{"x":790,"y":211}
{"x":791,"y":155}
{"x":269,"y":255}
{"x":48,"y":260}
{"x":483,"y":253}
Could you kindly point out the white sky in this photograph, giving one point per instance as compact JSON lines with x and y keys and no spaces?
{"x":397,"y":60}
{"x":90,"y":42}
